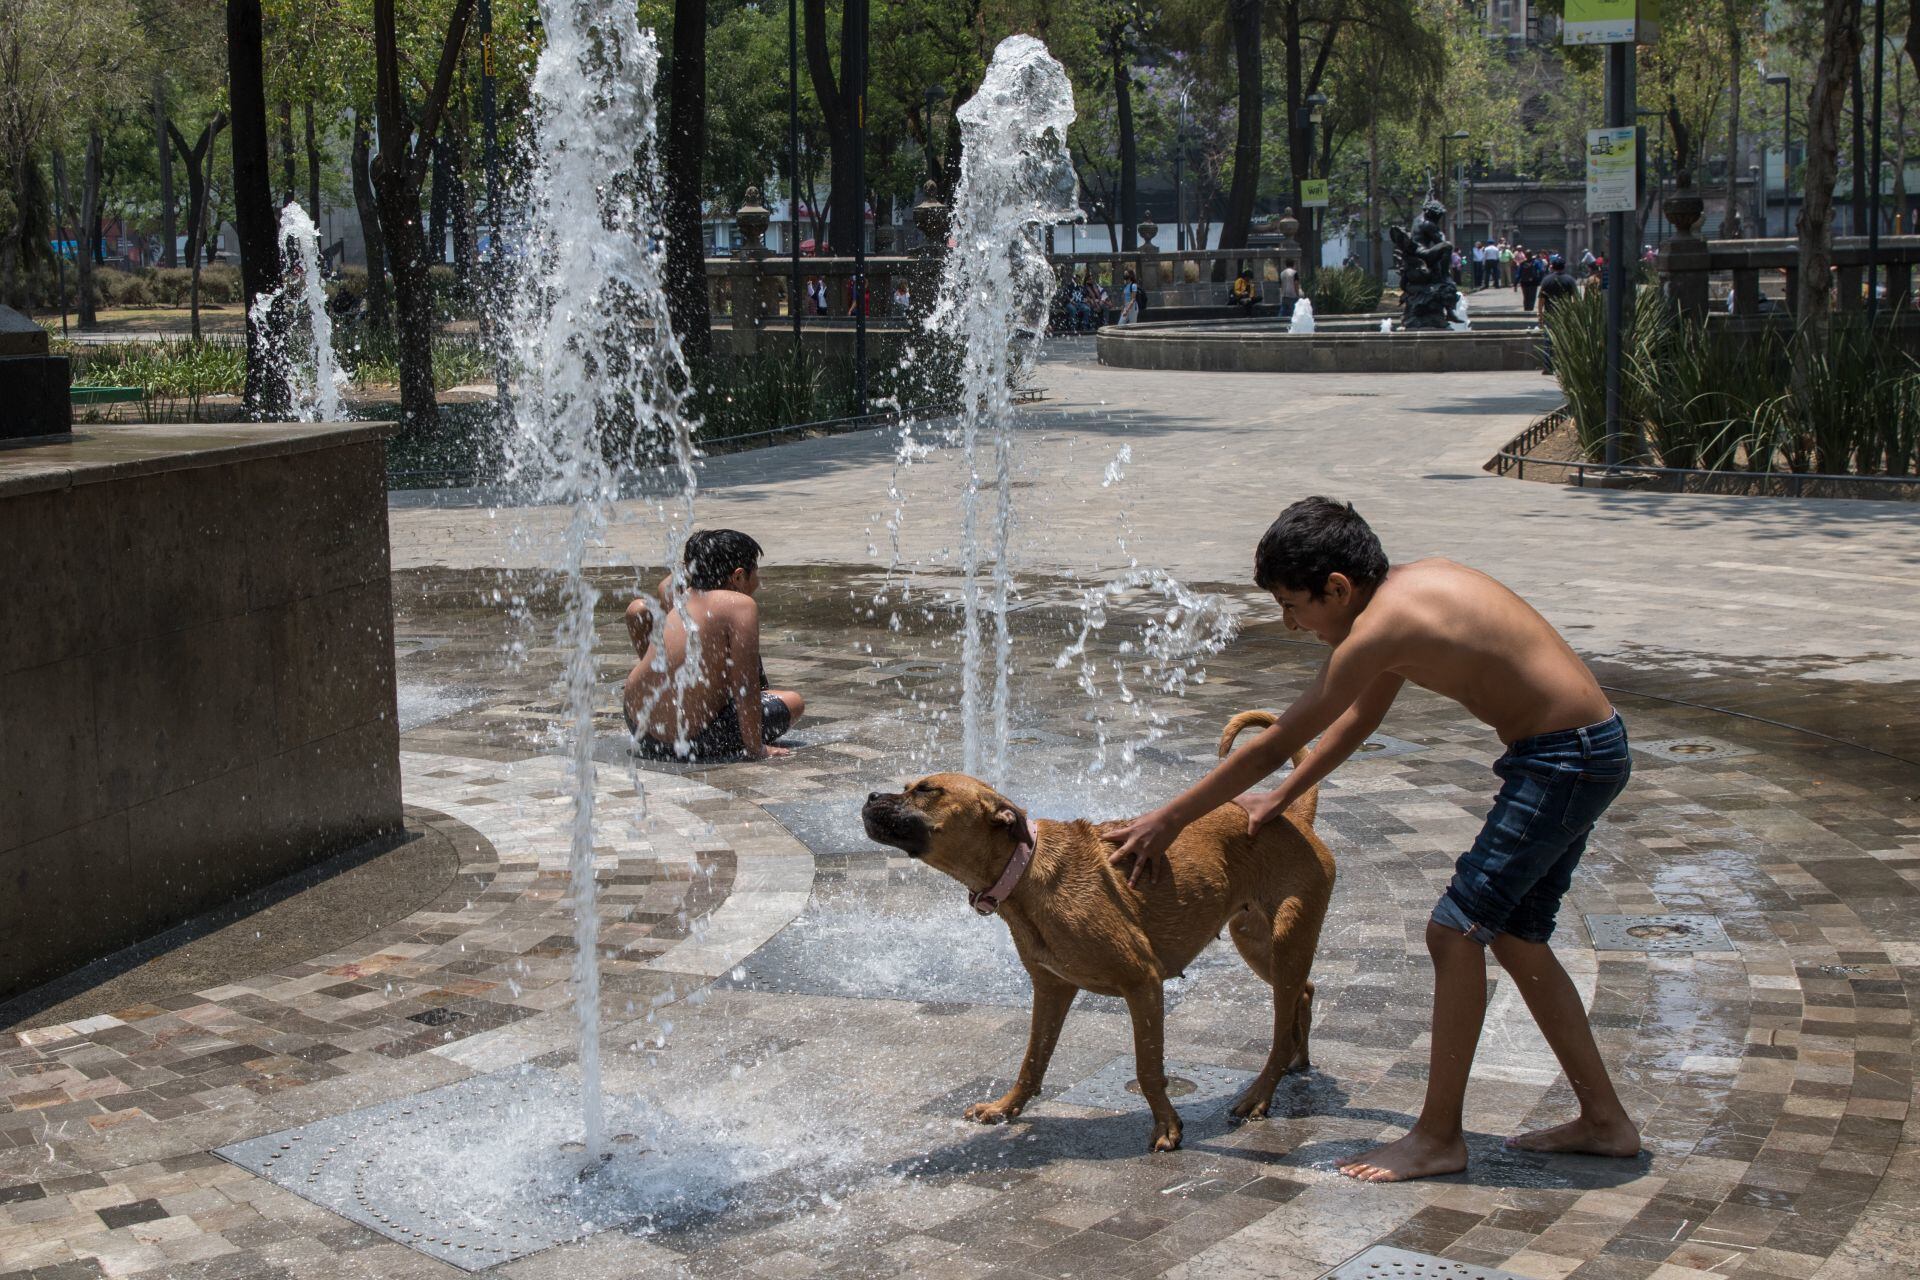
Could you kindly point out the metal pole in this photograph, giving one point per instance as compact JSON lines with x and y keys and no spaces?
{"x":490,"y":146}
{"x":858,"y":74}
{"x":794,"y":304}
{"x":1620,"y":60}
{"x":1786,"y":156}
{"x":1446,"y":227}
{"x":1873,"y":169}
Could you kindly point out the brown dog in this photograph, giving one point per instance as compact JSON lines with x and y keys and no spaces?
{"x":1079,"y":925}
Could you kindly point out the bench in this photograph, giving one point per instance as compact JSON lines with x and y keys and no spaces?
{"x":105,"y":395}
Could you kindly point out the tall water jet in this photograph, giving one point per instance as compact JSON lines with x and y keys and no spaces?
{"x":599,"y":381}
{"x":1016,"y":181}
{"x":297,"y":325}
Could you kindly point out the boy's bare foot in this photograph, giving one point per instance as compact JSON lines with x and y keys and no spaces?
{"x":1414,"y":1156}
{"x":1582,"y":1137}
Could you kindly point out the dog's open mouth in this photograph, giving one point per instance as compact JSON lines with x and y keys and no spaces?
{"x":889,"y":820}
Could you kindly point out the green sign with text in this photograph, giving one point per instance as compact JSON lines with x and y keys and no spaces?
{"x":1611,"y":22}
{"x":1314,"y":194}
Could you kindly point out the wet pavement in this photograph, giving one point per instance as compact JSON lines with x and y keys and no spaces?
{"x":795,"y":1018}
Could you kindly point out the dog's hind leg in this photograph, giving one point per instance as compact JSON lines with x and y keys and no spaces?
{"x":1147,"y":1003}
{"x":1052,"y":997}
{"x":1290,"y":948}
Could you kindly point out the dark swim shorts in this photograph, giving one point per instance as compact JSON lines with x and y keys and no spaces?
{"x":721,"y":736}
{"x":1556,"y":786}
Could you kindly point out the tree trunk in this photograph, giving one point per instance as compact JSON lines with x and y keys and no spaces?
{"x":1839,"y":56}
{"x":378,"y":313}
{"x":846,"y":210}
{"x":195,"y":159}
{"x":1736,"y":62}
{"x":163,"y":141}
{"x":686,"y":145}
{"x":1123,"y":108}
{"x":86,"y":247}
{"x":313,"y":164}
{"x":463,"y":255}
{"x":1234,"y":229}
{"x":439,"y":198}
{"x":398,"y":172}
{"x":253,"y":211}
{"x":289,"y":169}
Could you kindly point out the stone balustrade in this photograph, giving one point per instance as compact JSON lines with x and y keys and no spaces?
{"x":1689,"y":267}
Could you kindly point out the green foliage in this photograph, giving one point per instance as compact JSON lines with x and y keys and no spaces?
{"x":1345,"y":291}
{"x":1708,"y":396}
{"x":371,"y":358}
{"x":174,"y":377}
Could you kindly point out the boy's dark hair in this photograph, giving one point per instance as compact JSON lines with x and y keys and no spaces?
{"x":713,"y":554}
{"x":1313,"y":538}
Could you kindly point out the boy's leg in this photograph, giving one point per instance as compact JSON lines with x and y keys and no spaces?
{"x":1603,"y":1128}
{"x":1435,"y":1144}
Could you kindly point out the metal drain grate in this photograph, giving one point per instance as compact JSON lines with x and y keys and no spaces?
{"x":475,"y":1173}
{"x":1692,"y":750}
{"x":1663,"y":933}
{"x":1384,"y":1262}
{"x":1380,"y":746}
{"x":1112,"y":1088}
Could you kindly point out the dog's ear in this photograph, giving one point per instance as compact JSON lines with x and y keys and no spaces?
{"x":1009,"y":815}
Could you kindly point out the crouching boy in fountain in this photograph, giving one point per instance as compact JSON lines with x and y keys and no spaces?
{"x":723,"y":707}
{"x":1461,"y":634}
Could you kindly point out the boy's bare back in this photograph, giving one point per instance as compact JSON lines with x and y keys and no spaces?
{"x":727,"y":624}
{"x":1463,"y":635}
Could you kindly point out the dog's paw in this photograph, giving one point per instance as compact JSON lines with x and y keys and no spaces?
{"x":998,"y":1112}
{"x":1165,"y":1138}
{"x":1251,"y":1107}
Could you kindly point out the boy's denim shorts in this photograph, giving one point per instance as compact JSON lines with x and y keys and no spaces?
{"x":1555,"y":787}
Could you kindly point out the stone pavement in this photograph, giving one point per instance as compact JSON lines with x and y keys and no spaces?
{"x":794,"y":1018}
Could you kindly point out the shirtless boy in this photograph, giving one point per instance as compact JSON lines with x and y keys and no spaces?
{"x":1459,"y":633}
{"x":724,"y":708}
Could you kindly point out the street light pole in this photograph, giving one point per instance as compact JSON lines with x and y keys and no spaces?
{"x":490,"y":145}
{"x":1873,"y":168}
{"x":794,"y":303}
{"x":1786,"y":150}
{"x":858,"y":74}
{"x":1446,"y":178}
{"x":1179,"y":172}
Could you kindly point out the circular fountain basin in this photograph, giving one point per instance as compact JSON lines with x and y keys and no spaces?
{"x":1339,"y":344}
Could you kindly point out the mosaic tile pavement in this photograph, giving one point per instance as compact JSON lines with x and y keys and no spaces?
{"x":1774,"y":1080}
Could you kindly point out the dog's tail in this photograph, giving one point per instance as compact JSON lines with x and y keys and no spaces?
{"x":1307,"y":805}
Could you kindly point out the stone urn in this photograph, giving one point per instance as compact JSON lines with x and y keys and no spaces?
{"x":930,"y":216}
{"x":1684,"y":206}
{"x":1289,"y":225}
{"x":751,"y":218}
{"x":1148,"y":229}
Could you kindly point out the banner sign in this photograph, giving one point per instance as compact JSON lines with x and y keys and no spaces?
{"x":1611,"y":22}
{"x":1613,"y":170}
{"x":1313,"y":193}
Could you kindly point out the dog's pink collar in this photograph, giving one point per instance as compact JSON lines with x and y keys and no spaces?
{"x":988,"y":901}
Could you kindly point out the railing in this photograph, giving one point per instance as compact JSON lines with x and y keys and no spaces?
{"x":1690,"y":266}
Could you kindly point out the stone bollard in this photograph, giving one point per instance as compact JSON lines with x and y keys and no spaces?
{"x":33,"y":382}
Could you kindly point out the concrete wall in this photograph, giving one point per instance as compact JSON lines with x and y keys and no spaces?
{"x":196,"y":676}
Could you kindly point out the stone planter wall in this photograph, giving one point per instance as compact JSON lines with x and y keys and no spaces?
{"x":196,"y":675}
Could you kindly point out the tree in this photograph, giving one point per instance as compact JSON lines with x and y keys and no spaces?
{"x":254,"y":218}
{"x":686,"y":281}
{"x":838,"y":97}
{"x":1839,"y":54}
{"x":1245,"y":18}
{"x":195,"y":158}
{"x":399,"y":167}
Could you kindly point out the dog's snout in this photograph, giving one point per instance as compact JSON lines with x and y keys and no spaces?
{"x":872,"y":796}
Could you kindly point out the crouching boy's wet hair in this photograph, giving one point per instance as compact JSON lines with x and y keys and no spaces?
{"x":1313,"y":538}
{"x":713,"y":554}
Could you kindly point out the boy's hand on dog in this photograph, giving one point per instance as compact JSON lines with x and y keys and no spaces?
{"x":1262,"y":807}
{"x":1144,"y":841}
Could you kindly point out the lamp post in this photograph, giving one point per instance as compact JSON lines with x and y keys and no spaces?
{"x":1179,"y":173}
{"x":1446,"y":179}
{"x":1311,"y":109}
{"x":1786,"y":150}
{"x":1873,"y":167}
{"x":1760,"y":196}
{"x":794,"y":305}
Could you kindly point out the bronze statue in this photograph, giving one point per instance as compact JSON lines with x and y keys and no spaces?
{"x":1428,"y":295}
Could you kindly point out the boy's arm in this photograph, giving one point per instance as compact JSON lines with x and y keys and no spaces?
{"x":1342,"y":738}
{"x":743,"y":677}
{"x":1354,"y":665}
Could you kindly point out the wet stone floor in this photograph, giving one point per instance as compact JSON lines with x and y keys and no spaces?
{"x":793,"y":1018}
